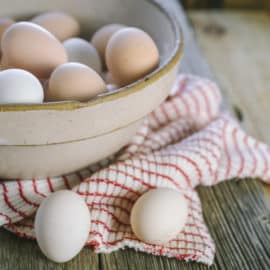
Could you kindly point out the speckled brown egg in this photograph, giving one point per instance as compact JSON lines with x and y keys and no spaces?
{"x":74,"y":81}
{"x":28,"y":46}
{"x":60,"y":24}
{"x":131,"y":54}
{"x":102,"y":36}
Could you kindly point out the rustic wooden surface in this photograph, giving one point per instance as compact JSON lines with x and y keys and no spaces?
{"x":237,"y":212}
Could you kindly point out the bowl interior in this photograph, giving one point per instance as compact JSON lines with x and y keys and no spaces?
{"x":92,"y":14}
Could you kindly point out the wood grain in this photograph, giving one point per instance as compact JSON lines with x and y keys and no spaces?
{"x":236,"y":45}
{"x":21,"y":254}
{"x":252,"y":4}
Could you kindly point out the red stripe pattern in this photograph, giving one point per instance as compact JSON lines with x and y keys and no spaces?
{"x":185,"y":142}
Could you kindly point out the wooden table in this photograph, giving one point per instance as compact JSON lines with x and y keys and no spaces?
{"x":236,"y":46}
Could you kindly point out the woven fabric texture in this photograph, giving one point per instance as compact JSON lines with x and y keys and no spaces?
{"x":184,"y":143}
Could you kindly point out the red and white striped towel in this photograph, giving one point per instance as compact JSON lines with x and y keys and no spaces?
{"x":185,"y":142}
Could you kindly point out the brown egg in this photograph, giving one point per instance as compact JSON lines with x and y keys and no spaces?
{"x":28,"y":46}
{"x":4,"y":24}
{"x":74,"y":81}
{"x":60,"y":24}
{"x":101,"y":38}
{"x":131,"y":54}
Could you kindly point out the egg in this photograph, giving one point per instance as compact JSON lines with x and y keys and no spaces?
{"x":28,"y":46}
{"x":74,"y":81}
{"x":131,"y":54}
{"x":62,"y":225}
{"x":159,"y":215}
{"x":101,"y":37}
{"x":60,"y":24}
{"x":79,"y":50}
{"x":19,"y":86}
{"x":4,"y":24}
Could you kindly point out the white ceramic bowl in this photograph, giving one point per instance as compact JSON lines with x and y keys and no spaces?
{"x":58,"y":138}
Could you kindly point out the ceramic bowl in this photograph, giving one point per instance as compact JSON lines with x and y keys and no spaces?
{"x":51,"y":139}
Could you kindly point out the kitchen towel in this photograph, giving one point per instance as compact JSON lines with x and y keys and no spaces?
{"x":187,"y":141}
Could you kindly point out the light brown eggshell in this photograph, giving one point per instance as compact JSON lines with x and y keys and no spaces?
{"x":74,"y":81}
{"x":131,"y":54}
{"x":102,"y":36}
{"x":60,"y":24}
{"x":28,"y":46}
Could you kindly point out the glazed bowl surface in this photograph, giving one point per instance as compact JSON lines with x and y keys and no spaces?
{"x":57,"y":138}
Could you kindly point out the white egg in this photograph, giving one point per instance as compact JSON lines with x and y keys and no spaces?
{"x":81,"y":51}
{"x":62,"y":225}
{"x":19,"y":86}
{"x":159,"y":215}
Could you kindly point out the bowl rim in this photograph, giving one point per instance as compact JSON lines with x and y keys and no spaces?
{"x":123,"y":91}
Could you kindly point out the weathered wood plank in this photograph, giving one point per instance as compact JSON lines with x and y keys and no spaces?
{"x":252,"y":4}
{"x":236,"y":45}
{"x":267,"y":4}
{"x":22,"y":254}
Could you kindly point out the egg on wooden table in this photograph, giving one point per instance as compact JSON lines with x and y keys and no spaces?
{"x":28,"y":46}
{"x":18,"y":86}
{"x":102,"y":36}
{"x":81,"y":51}
{"x":62,"y":224}
{"x":74,"y":81}
{"x":60,"y":24}
{"x":131,"y":54}
{"x":159,"y":215}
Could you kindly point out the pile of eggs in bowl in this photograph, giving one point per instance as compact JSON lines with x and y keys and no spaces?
{"x":44,"y":60}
